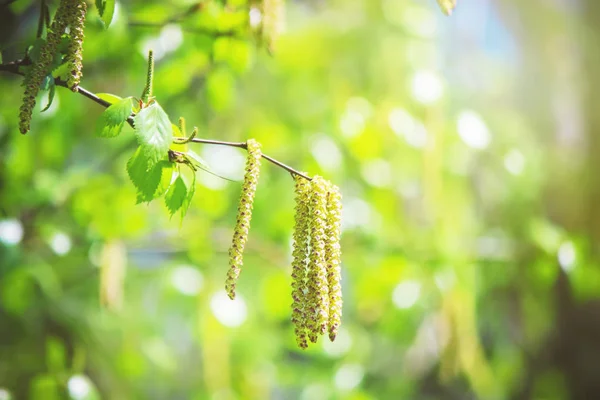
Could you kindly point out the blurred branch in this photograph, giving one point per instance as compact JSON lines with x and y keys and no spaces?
{"x":180,"y":17}
{"x":13,"y":67}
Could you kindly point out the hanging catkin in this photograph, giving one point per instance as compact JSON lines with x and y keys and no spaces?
{"x":333,"y":258}
{"x":77,"y":12}
{"x":447,"y":6}
{"x":318,"y":288}
{"x":240,"y":234}
{"x":34,"y":78}
{"x":300,"y":260}
{"x":272,"y":21}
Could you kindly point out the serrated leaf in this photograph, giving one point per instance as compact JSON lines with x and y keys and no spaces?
{"x":136,"y":168}
{"x":111,"y":98}
{"x":188,"y":198}
{"x":156,"y":182}
{"x":35,"y":50}
{"x":61,"y":71}
{"x":51,"y":91}
{"x":106,"y":10}
{"x":166,"y":178}
{"x":154,"y":132}
{"x":149,"y":182}
{"x":447,"y":6}
{"x":176,"y":195}
{"x":112,"y":119}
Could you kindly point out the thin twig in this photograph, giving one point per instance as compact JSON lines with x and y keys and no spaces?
{"x":243,"y":145}
{"x":13,"y":67}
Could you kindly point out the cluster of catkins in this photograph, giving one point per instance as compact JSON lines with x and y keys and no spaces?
{"x":316,"y":273}
{"x":70,"y":15}
{"x":316,"y":288}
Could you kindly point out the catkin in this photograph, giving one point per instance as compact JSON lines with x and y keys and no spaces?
{"x":447,"y":6}
{"x":41,"y":68}
{"x":272,"y":21}
{"x":300,"y":261}
{"x":148,"y":89}
{"x":318,"y":288}
{"x":240,"y":234}
{"x":77,"y":12}
{"x":333,"y":258}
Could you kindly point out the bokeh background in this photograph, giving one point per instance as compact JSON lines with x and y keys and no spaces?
{"x":466,"y":149}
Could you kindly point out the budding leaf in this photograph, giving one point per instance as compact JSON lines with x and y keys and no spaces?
{"x":112,"y":119}
{"x":106,"y":10}
{"x":154,"y":132}
{"x":447,"y":6}
{"x":182,"y":148}
{"x":176,"y":195}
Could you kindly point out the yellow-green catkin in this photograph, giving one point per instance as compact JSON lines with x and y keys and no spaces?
{"x":148,"y":89}
{"x":300,"y":260}
{"x":77,"y":12}
{"x":318,"y":287}
{"x":240,"y":234}
{"x":447,"y":6}
{"x":273,"y":16}
{"x":34,"y":78}
{"x":333,"y":256}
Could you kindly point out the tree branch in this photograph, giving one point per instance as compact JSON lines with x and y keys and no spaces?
{"x":13,"y":67}
{"x":179,"y":18}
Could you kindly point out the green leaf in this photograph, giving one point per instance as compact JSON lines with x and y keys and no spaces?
{"x":61,"y":71}
{"x":154,"y":132}
{"x":47,"y":82}
{"x":51,"y":91}
{"x":35,"y":50}
{"x":111,"y":98}
{"x":112,"y":119}
{"x":188,"y":198}
{"x":149,"y":182}
{"x":176,"y":195}
{"x":165,"y":179}
{"x":106,"y":10}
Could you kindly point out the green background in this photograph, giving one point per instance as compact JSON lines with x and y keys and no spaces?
{"x":466,"y":149}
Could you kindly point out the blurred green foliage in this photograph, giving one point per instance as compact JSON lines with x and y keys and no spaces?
{"x":466,"y":151}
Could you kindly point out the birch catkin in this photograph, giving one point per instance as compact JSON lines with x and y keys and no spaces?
{"x":74,"y":55}
{"x":300,"y":261}
{"x":333,"y":258}
{"x":34,"y":78}
{"x":318,"y":298}
{"x":240,"y":234}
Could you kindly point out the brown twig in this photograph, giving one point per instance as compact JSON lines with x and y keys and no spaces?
{"x":13,"y":67}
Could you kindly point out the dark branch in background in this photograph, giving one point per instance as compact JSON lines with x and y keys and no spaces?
{"x":13,"y":67}
{"x":180,"y":17}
